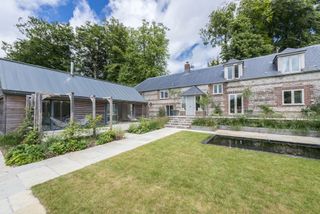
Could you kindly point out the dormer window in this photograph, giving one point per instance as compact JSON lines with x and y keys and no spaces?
{"x":291,"y":63}
{"x":233,"y":71}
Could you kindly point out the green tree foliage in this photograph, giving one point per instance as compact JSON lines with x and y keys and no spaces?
{"x":45,"y":44}
{"x":146,"y":55}
{"x":295,"y":23}
{"x":108,"y":51}
{"x":259,"y":27}
{"x":91,"y":49}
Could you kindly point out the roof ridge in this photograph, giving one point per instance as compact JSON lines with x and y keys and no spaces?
{"x":60,"y":71}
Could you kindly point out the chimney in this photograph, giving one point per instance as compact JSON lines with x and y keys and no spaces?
{"x":71,"y":68}
{"x":187,"y":67}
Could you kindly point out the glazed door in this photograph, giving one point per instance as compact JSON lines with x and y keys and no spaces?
{"x":190,"y":105}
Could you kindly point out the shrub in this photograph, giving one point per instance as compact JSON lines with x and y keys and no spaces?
{"x":58,"y":148}
{"x":106,"y":137}
{"x":24,"y":154}
{"x":146,"y":125}
{"x":302,"y":125}
{"x":93,"y":123}
{"x":32,"y":137}
{"x":10,"y":139}
{"x":76,"y":145}
{"x":162,"y":112}
{"x":119,"y":133}
{"x":313,"y":110}
{"x":266,"y":110}
{"x":71,"y":131}
{"x":133,"y":128}
{"x":204,"y":122}
{"x":217,"y":110}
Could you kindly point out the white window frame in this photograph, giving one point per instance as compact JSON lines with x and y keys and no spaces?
{"x":292,"y":97}
{"x":216,"y":85}
{"x":234,"y":71}
{"x":236,"y":96}
{"x":282,"y":60}
{"x":164,"y":92}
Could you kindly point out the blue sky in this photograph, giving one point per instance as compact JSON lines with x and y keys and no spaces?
{"x":184,"y":18}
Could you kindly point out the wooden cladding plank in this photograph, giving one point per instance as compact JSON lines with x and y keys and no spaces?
{"x":15,"y":111}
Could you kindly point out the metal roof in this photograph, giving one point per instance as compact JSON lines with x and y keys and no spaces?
{"x":19,"y":77}
{"x":258,"y":67}
{"x":193,"y":91}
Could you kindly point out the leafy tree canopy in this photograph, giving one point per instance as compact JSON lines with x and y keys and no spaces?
{"x":259,"y":27}
{"x":108,"y":51}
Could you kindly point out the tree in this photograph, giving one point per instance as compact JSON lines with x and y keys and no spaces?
{"x":117,"y":39}
{"x":108,"y":51}
{"x":218,"y":30}
{"x":204,"y":102}
{"x":295,"y":23}
{"x":259,"y":27}
{"x":146,"y":55}
{"x":91,"y":49}
{"x":45,"y":44}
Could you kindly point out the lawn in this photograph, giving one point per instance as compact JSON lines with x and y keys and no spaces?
{"x":178,"y":174}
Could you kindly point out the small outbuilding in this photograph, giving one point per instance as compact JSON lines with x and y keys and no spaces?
{"x":58,"y":97}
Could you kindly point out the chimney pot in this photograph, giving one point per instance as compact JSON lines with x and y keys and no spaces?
{"x":187,"y":67}
{"x":71,"y":68}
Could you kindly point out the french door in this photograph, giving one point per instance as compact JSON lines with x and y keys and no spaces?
{"x":235,"y":104}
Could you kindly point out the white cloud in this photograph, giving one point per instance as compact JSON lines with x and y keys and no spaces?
{"x":12,"y":10}
{"x":184,"y":18}
{"x":82,"y":14}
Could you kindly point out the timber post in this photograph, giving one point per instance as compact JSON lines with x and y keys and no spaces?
{"x":110,"y":100}
{"x":71,"y":97}
{"x":93,"y":100}
{"x":37,"y":118}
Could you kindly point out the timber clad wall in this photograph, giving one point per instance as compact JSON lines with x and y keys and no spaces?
{"x":2,"y":118}
{"x":84,"y":107}
{"x":14,"y":111}
{"x":265,"y":91}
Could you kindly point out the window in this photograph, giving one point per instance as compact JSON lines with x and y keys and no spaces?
{"x":293,"y":97}
{"x":236,"y":71}
{"x":235,"y":104}
{"x":164,"y":94}
{"x":217,"y":89}
{"x":233,"y":71}
{"x":197,"y":103}
{"x":230,"y":72}
{"x":169,"y":110}
{"x":183,"y":103}
{"x":291,"y":64}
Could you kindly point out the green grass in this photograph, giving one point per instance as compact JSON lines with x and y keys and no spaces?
{"x":178,"y":174}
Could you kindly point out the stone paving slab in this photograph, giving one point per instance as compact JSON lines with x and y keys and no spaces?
{"x":36,"y":176}
{"x":15,"y":183}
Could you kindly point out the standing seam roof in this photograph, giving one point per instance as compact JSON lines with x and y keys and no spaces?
{"x":25,"y":78}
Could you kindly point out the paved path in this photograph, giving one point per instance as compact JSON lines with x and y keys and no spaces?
{"x":15,"y":183}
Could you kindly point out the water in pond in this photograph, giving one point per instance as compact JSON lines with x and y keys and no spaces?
{"x":304,"y":150}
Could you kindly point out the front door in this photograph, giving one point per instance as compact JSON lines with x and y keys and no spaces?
{"x":190,"y":105}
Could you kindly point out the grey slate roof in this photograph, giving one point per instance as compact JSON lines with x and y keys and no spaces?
{"x":258,"y":67}
{"x":193,"y":91}
{"x":18,"y":77}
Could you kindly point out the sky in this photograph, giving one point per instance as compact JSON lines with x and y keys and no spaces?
{"x":184,"y":18}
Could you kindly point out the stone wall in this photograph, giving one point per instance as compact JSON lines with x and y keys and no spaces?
{"x":266,"y":91}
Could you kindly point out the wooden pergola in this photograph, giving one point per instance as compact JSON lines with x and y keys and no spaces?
{"x":37,"y":98}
